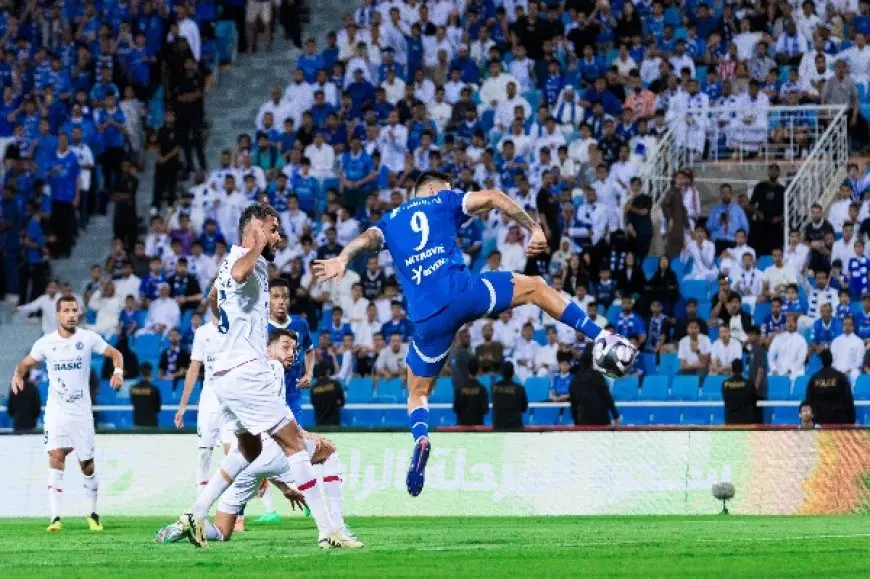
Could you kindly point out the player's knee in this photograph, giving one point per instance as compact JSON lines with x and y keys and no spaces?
{"x":87,"y":467}
{"x":324,"y":449}
{"x":250,"y":446}
{"x":57,"y":459}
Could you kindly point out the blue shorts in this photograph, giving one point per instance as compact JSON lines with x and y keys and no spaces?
{"x":295,"y":405}
{"x":486,"y":294}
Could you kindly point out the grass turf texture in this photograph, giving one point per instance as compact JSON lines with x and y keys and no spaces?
{"x":456,"y":547}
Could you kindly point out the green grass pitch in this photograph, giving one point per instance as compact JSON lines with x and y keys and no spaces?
{"x":726,"y":546}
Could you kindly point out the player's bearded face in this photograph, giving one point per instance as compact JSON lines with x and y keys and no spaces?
{"x":270,"y":228}
{"x":286,"y":352}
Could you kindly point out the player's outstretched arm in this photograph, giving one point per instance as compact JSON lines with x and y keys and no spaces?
{"x":21,"y":370}
{"x":189,"y":382}
{"x":326,"y":269}
{"x":488,"y":199}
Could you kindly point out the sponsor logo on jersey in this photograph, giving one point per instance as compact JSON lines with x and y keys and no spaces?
{"x":68,"y":365}
{"x":419,"y":273}
{"x":423,"y":255}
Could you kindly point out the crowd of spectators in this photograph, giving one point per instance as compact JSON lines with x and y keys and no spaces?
{"x":558,"y":103}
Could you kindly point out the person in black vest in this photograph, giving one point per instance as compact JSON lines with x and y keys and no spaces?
{"x":145,"y":399}
{"x":471,"y":403}
{"x":327,"y":397}
{"x":174,"y":360}
{"x":167,"y":163}
{"x":509,"y":401}
{"x":830,"y":394}
{"x":24,"y":408}
{"x":591,"y":401}
{"x":740,"y":397}
{"x":373,"y":279}
{"x":184,"y":287}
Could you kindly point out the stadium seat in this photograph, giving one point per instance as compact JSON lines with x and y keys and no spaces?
{"x":762,"y":310}
{"x":778,"y":388}
{"x":862,"y":387}
{"x":541,"y":337}
{"x":544,"y":416}
{"x":799,"y":391}
{"x":783,"y":415}
{"x":625,"y":389}
{"x":665,"y":415}
{"x":368,"y":418}
{"x":815,"y":364}
{"x":390,"y":391}
{"x":679,"y":267}
{"x":441,"y":417}
{"x":148,"y":345}
{"x":443,"y":390}
{"x":684,"y":388}
{"x":650,"y":265}
{"x":696,"y":415}
{"x":225,"y":34}
{"x":764,"y":261}
{"x":654,"y":388}
{"x":487,"y":120}
{"x":669,"y":364}
{"x":613,"y":313}
{"x":704,"y":308}
{"x":538,"y":389}
{"x":711,"y":389}
{"x":306,"y":418}
{"x":534,"y":99}
{"x":717,"y":416}
{"x":634,"y":415}
{"x":694,"y":288}
{"x":646,"y":363}
{"x":863,"y":416}
{"x":360,"y":390}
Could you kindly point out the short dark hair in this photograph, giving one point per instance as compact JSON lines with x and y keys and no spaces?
{"x":65,"y":299}
{"x":256,"y":211}
{"x":277,"y":282}
{"x":427,"y":177}
{"x":278,"y":333}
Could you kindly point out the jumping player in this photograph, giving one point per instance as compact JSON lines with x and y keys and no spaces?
{"x":69,"y":418}
{"x":442,"y":293}
{"x":243,"y":379}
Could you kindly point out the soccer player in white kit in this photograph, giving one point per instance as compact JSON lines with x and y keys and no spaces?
{"x":206,"y":342}
{"x":69,"y":419}
{"x":243,"y":379}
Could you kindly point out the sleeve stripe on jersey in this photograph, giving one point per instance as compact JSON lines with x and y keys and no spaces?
{"x":465,"y":204}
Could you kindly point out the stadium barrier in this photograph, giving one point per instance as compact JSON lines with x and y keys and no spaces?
{"x":781,"y":472}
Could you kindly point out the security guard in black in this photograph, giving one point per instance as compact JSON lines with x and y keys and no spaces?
{"x":829,"y":393}
{"x":740,"y":397}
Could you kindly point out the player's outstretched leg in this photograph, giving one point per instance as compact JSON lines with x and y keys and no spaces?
{"x":323,"y":453}
{"x":418,"y":419}
{"x":56,"y":466}
{"x":534,"y":290}
{"x":92,"y":487}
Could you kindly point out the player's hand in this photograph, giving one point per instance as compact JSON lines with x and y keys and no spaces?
{"x":179,"y":417}
{"x":116,"y":381}
{"x":304,"y":382}
{"x":17,"y":383}
{"x":538,"y":242}
{"x":260,"y":238}
{"x":297,"y":501}
{"x":327,"y":269}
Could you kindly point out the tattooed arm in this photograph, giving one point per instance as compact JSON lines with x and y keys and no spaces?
{"x":488,"y":199}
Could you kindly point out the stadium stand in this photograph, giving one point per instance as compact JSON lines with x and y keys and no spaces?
{"x":562,"y":104}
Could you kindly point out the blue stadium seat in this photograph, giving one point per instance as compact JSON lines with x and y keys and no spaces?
{"x":634,"y":415}
{"x":815,"y":364}
{"x":701,"y":74}
{"x":762,"y":310}
{"x":782,"y":415}
{"x":148,"y":345}
{"x":711,"y":389}
{"x":544,"y":416}
{"x":487,"y":120}
{"x":862,"y":387}
{"x":650,"y":265}
{"x":717,"y":416}
{"x":669,"y":364}
{"x":799,"y":391}
{"x":443,"y":390}
{"x":713,"y":333}
{"x":390,"y":391}
{"x":778,"y":388}
{"x":697,"y":415}
{"x":360,"y":390}
{"x":225,"y":36}
{"x":368,"y":418}
{"x":764,"y":261}
{"x":684,"y":388}
{"x":534,"y":99}
{"x":613,"y":313}
{"x":441,"y":417}
{"x":306,"y":418}
{"x":679,"y":267}
{"x":694,"y":288}
{"x":646,"y":363}
{"x":141,"y":317}
{"x":538,"y":389}
{"x":541,"y":337}
{"x":665,"y":415}
{"x":625,"y":389}
{"x":704,"y":308}
{"x":654,"y":388}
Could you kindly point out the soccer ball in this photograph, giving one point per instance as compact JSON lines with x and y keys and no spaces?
{"x":613,"y":355}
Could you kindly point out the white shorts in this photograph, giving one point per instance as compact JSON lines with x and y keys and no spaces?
{"x":77,"y":434}
{"x":258,"y":10}
{"x":271,"y":464}
{"x":208,"y":427}
{"x":248,"y":399}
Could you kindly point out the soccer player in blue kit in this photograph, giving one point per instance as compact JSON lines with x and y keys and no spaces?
{"x":442,"y":292}
{"x":300,"y":374}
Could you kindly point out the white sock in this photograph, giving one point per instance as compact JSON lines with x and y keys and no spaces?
{"x":268,"y":505}
{"x":212,"y":533}
{"x":92,"y":485}
{"x":332,"y":481}
{"x":203,"y":469}
{"x":55,"y":488}
{"x":307,"y":483}
{"x":231,"y":465}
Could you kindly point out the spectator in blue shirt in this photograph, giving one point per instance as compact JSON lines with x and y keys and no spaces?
{"x":357,"y":176}
{"x":305,"y":185}
{"x":309,"y":61}
{"x":211,"y":237}
{"x":726,"y":218}
{"x":398,"y":323}
{"x":859,"y":271}
{"x":629,"y":323}
{"x":469,"y":72}
{"x":862,"y":320}
{"x":104,"y":88}
{"x":598,"y":93}
{"x":35,"y":271}
{"x":825,"y":329}
{"x":604,"y":291}
{"x":111,"y":126}
{"x":63,"y":175}
{"x":471,"y":238}
{"x":338,"y":327}
{"x":561,"y":386}
{"x":150,"y":284}
{"x":329,"y":55}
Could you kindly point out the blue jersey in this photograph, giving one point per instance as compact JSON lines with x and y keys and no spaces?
{"x":825,"y":334}
{"x":862,"y":324}
{"x":562,"y":384}
{"x":292,"y":375}
{"x":421,"y":236}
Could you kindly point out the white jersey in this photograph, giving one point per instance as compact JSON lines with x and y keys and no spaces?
{"x":68,"y":361}
{"x":206,"y":342}
{"x":244,"y":313}
{"x":278,"y":374}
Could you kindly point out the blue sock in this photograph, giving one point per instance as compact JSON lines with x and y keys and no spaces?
{"x":576,"y":318}
{"x":419,"y":422}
